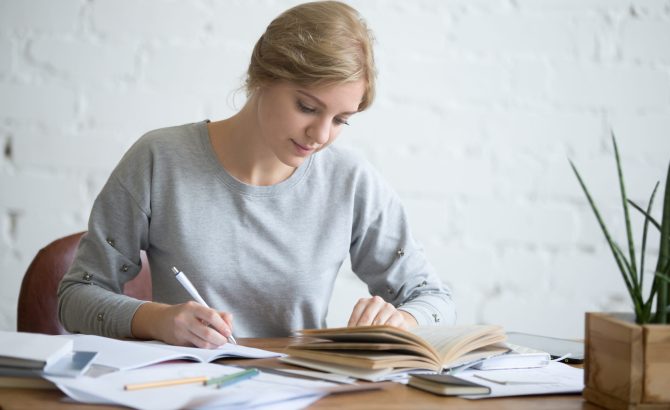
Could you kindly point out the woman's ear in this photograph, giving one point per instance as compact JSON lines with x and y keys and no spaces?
{"x":257,"y":90}
{"x":252,"y":97}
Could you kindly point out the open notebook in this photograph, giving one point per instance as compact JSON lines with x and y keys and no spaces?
{"x":125,"y":355}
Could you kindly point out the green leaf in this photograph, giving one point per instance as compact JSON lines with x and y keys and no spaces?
{"x":644,"y":233}
{"x":633,"y":290}
{"x":624,"y":201}
{"x":648,"y":306}
{"x":663,"y":276}
{"x":619,"y":257}
{"x":664,"y":257}
{"x":646,"y":214}
{"x":608,"y":237}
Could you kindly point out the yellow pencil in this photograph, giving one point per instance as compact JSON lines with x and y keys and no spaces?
{"x":164,"y":383}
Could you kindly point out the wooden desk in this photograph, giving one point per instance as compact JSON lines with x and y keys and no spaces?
{"x":397,"y":396}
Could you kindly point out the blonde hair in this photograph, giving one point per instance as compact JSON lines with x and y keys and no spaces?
{"x":315,"y":44}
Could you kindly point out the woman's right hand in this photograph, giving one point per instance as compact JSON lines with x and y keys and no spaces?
{"x":186,"y":324}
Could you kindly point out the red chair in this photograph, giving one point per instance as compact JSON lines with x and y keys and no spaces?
{"x":38,"y":303}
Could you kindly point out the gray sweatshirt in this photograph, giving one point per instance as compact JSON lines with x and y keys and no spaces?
{"x":267,"y":254}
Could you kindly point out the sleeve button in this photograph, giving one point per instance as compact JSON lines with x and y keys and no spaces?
{"x":124,"y":268}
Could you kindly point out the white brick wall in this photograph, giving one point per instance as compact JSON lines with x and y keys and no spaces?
{"x":480,"y":104}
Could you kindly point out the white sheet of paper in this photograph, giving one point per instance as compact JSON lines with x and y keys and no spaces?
{"x":16,"y":347}
{"x":517,"y":378}
{"x":126,"y":355}
{"x":109,"y":388}
{"x":553,"y":379}
{"x":297,"y":403}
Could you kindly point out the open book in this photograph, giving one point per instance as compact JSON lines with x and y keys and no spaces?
{"x":385,"y":347}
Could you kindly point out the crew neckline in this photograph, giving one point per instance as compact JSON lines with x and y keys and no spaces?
{"x":244,"y":188}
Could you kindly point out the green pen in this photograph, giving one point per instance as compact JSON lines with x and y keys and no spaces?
{"x":230,"y":379}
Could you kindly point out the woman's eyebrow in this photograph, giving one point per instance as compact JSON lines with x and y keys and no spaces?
{"x":321,"y":103}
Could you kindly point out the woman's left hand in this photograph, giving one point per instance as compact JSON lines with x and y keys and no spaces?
{"x":376,"y":311}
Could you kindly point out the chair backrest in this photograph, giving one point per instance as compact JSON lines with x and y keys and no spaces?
{"x":38,"y":304}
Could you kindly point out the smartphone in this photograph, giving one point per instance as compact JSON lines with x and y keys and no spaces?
{"x":556,"y":347}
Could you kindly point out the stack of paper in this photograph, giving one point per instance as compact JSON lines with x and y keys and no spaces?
{"x":119,"y":363}
{"x":31,"y":350}
{"x":109,"y":389}
{"x":554,"y":378}
{"x":31,"y":355}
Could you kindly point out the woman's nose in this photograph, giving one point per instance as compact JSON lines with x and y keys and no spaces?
{"x":319,"y":131}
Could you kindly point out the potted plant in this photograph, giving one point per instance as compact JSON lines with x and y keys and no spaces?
{"x":627,"y":363}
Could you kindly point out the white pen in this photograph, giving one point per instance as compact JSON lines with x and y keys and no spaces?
{"x":181,"y":277}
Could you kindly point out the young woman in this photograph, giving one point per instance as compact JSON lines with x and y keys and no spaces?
{"x":259,"y":210}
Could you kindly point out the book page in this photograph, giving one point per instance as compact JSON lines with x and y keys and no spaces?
{"x":378,"y":333}
{"x":227,"y":350}
{"x":396,"y":347}
{"x":454,"y":341}
{"x":355,"y":372}
{"x":374,"y":334}
{"x":127,"y":354}
{"x":439,"y":344}
{"x":366,"y":359}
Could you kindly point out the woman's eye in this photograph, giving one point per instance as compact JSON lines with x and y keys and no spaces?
{"x":309,"y":110}
{"x":340,"y":121}
{"x":302,"y":107}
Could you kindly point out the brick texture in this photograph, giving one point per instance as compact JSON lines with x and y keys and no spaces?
{"x":480,"y":104}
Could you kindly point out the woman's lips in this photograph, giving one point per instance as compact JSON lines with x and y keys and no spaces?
{"x":302,"y":149}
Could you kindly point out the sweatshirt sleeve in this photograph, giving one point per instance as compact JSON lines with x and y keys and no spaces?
{"x":90,"y":295}
{"x":388,"y":259}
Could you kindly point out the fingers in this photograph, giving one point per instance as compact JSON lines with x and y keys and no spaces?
{"x":206,"y":337}
{"x":214,"y":319}
{"x":359,"y":308}
{"x":228,"y":318}
{"x":200,"y":326}
{"x":365,"y":311}
{"x":397,"y":320}
{"x":375,"y":311}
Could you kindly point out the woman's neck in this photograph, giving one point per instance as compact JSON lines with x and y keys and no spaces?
{"x":243,"y":152}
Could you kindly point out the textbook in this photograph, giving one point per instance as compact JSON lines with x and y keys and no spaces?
{"x":376,"y":375}
{"x":430,"y":348}
{"x":446,"y":385}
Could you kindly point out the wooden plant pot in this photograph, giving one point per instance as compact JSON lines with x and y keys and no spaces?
{"x":627,"y":366}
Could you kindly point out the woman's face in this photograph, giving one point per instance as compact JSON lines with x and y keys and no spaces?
{"x":296,"y":121}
